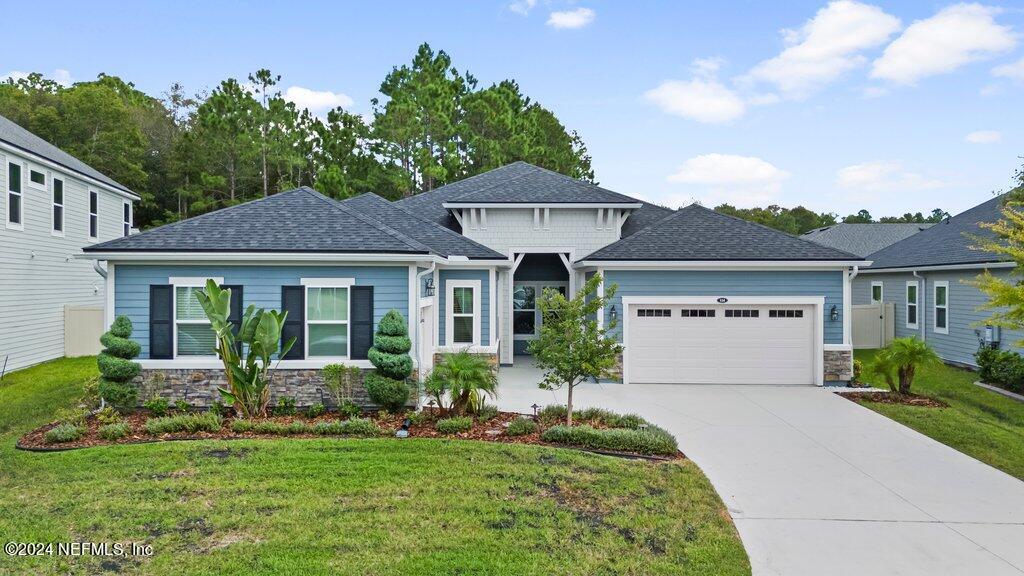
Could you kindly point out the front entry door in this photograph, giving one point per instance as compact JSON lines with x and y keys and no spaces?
{"x":526,"y":317}
{"x":426,"y":340}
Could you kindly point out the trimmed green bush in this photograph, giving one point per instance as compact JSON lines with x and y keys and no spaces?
{"x":609,"y":418}
{"x":391,"y":345}
{"x":199,"y":422}
{"x":355,"y":427}
{"x":120,"y":395}
{"x":315,"y":410}
{"x":63,"y":433}
{"x":120,"y":346}
{"x":108,"y":416}
{"x":387,"y":392}
{"x":270,"y":427}
{"x":242,"y":426}
{"x":552,"y":414}
{"x":75,"y":416}
{"x":181,"y":405}
{"x":1003,"y":368}
{"x":117,"y":369}
{"x":487,"y":412}
{"x":349,"y":409}
{"x":115,"y":431}
{"x":650,"y":440}
{"x":285,"y":406}
{"x":454,"y":425}
{"x":157,"y":405}
{"x":521,"y":427}
{"x":116,"y":366}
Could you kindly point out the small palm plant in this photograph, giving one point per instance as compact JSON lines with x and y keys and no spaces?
{"x":898,"y":362}
{"x":466,"y":377}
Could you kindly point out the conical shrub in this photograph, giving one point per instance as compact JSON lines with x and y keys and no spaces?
{"x":390,"y":355}
{"x":116,"y":367}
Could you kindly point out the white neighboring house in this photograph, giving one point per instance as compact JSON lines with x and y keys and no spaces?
{"x":52,"y":205}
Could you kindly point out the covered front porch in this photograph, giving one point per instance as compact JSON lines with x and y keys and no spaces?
{"x":531,"y":274}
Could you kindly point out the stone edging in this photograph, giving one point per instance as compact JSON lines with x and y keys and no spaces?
{"x":1002,"y":391}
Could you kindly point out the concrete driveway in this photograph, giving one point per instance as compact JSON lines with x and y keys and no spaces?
{"x":819,"y":485}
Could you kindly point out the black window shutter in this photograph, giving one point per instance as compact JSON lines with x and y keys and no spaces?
{"x":293,"y":301}
{"x":235,"y":314}
{"x":161,"y":312}
{"x":361,"y":321}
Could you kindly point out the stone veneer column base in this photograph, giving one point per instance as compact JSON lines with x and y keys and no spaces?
{"x":838,"y":366}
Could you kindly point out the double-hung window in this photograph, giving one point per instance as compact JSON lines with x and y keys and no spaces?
{"x":462,"y":322}
{"x":14,"y":195}
{"x":940,"y":299}
{"x":57,"y":216}
{"x":911,"y":306}
{"x":327,"y":321}
{"x":876,"y":292}
{"x":193,"y":335}
{"x":127,"y":218}
{"x":94,"y":210}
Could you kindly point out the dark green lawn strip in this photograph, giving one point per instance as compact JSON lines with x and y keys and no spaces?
{"x":978,"y":422}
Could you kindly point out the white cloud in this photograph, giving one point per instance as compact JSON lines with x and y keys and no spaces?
{"x":874,"y":92}
{"x":953,"y":37}
{"x":577,"y":18}
{"x":522,"y":6}
{"x":984,"y":137}
{"x":825,"y":47}
{"x":1014,"y":71}
{"x":884,"y":176}
{"x":703,"y":100}
{"x":743,"y":180}
{"x":60,"y":76}
{"x":317,"y":101}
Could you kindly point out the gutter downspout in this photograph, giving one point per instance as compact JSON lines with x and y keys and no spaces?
{"x":848,"y":307}
{"x":99,"y":269}
{"x":924,"y":298}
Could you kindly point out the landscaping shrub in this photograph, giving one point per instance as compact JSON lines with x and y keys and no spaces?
{"x":417,"y":418}
{"x":341,"y":381}
{"x":316,"y":410}
{"x":465,"y":379}
{"x":387,"y":392}
{"x":242,"y":426}
{"x":182,"y":405}
{"x":115,"y":431}
{"x":63,"y":433}
{"x":609,"y":418}
{"x":354,"y":427}
{"x":157,"y":405}
{"x":349,"y":409}
{"x":650,"y":440}
{"x":487,"y":412}
{"x":551,"y":415}
{"x":1001,"y":367}
{"x":521,"y":427}
{"x":108,"y":416}
{"x":299,"y":428}
{"x":858,"y":369}
{"x":285,"y":406}
{"x":218,"y":408}
{"x":204,"y":422}
{"x":116,"y":366}
{"x":454,"y":425}
{"x":270,"y":427}
{"x":75,"y":416}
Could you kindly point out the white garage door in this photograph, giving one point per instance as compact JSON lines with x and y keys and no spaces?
{"x":720,"y":344}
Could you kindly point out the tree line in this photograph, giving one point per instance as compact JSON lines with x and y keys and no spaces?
{"x":187,"y":154}
{"x":799,"y":220}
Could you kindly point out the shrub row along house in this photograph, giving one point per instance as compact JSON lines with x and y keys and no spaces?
{"x":52,"y":205}
{"x":702,"y":297}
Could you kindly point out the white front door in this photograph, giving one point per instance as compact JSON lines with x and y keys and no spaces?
{"x":426,"y":340}
{"x":720,"y":344}
{"x":526,"y":318}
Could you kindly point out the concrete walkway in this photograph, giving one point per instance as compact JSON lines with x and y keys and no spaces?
{"x":819,"y":485}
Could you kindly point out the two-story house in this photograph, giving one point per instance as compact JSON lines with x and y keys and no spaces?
{"x":52,"y":205}
{"x":701,"y":297}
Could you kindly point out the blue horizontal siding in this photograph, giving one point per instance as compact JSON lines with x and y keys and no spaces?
{"x":261,"y":287}
{"x":485,"y":301}
{"x":738,"y":283}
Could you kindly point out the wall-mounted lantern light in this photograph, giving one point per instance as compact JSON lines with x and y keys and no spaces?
{"x":613,"y":313}
{"x":833,"y":314}
{"x":429,"y":287}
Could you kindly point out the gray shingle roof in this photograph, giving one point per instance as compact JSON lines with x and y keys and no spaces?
{"x":862,"y":239}
{"x":16,"y":136}
{"x":945,"y":243}
{"x":697,"y":233}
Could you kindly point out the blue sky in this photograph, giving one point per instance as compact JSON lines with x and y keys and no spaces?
{"x":838,"y":106}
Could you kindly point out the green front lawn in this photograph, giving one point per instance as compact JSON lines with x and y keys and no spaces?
{"x":336,"y":506}
{"x":978,"y":422}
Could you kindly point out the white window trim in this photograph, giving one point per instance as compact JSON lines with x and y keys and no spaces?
{"x":935,"y":307}
{"x":96,"y":214}
{"x":449,"y":320}
{"x":28,"y":180}
{"x":345,"y":283}
{"x":538,"y":287}
{"x":54,"y":204}
{"x":7,"y":197}
{"x":881,"y":293}
{"x":916,"y":304}
{"x":126,"y":226}
{"x":187,"y":282}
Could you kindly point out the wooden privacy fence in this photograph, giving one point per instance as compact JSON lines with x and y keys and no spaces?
{"x":83,"y":326}
{"x":873,"y":325}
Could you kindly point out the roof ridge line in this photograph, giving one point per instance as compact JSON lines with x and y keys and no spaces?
{"x":411,"y":242}
{"x":479,"y":190}
{"x":447,"y":231}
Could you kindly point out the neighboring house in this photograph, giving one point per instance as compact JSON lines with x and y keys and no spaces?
{"x":862,"y":239}
{"x":53,"y":204}
{"x":924,"y":277}
{"x":702,"y":297}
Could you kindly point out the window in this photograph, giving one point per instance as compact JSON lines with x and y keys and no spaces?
{"x":911,"y":304}
{"x":94,"y":208}
{"x":37,"y":179}
{"x":656,"y":312}
{"x":327,"y":310}
{"x":58,"y":207}
{"x":941,"y":299}
{"x":876,"y":292}
{"x":13,"y":195}
{"x":462,"y":312}
{"x":697,"y":313}
{"x":127,"y":218}
{"x":192,"y":333}
{"x":742,"y":313}
{"x":785,"y":313}
{"x":526,"y":320}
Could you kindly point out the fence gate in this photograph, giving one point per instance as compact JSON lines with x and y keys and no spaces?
{"x":83,"y":326}
{"x":873,"y":325}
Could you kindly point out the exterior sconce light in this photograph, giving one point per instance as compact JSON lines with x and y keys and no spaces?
{"x":833,"y":314}
{"x":613,"y":313}
{"x":429,"y":286}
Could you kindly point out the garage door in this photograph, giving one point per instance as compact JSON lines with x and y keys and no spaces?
{"x":721,"y":344}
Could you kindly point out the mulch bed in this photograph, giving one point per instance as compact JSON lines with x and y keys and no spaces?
{"x":893,"y":398}
{"x":492,"y":430}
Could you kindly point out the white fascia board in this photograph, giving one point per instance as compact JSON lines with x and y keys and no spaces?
{"x":454,"y":205}
{"x":939,"y":268}
{"x":284,"y":258}
{"x":740,"y":300}
{"x":61,"y":168}
{"x":719,"y":264}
